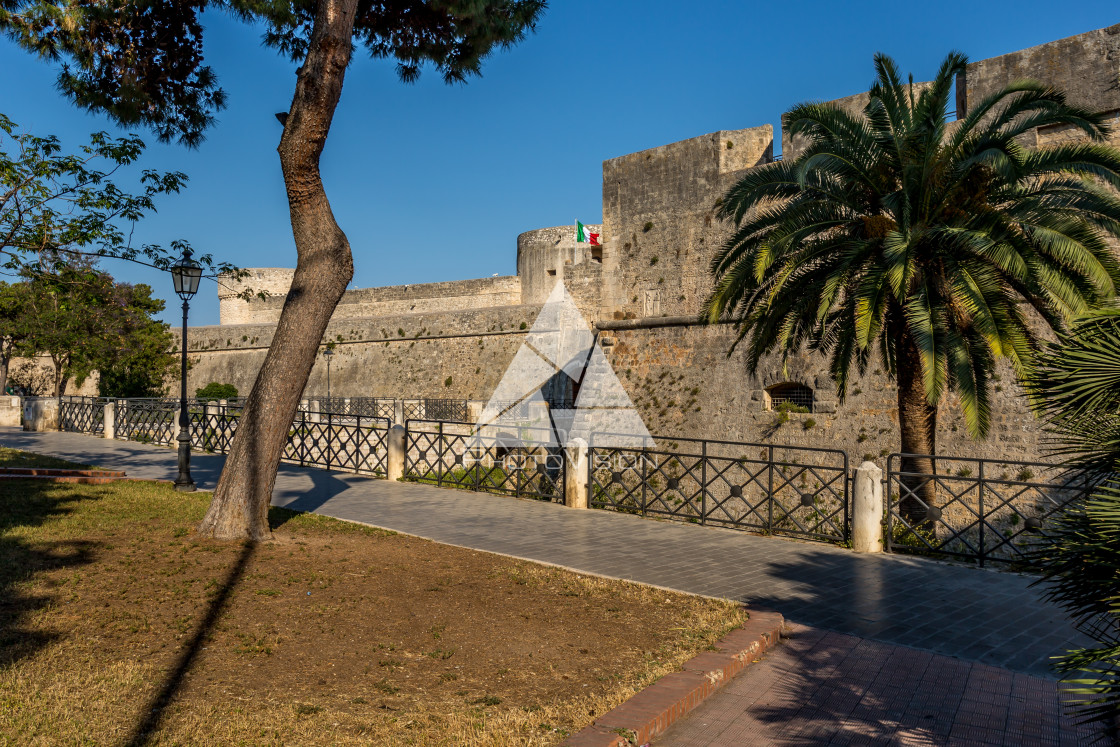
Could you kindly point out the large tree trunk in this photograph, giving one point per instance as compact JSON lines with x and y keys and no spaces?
{"x":917,"y":420}
{"x":324,"y":268}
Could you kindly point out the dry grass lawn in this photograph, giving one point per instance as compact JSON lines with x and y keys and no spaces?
{"x":118,"y":627}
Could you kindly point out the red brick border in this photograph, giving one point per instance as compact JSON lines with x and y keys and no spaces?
{"x":654,"y":709}
{"x":81,"y":476}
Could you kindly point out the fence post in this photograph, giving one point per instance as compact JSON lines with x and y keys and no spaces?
{"x":983,"y":516}
{"x":867,"y":509}
{"x":110,"y":419}
{"x":439,"y":456}
{"x":394,"y":466}
{"x":575,"y":474}
{"x":770,"y":489}
{"x":398,"y":411}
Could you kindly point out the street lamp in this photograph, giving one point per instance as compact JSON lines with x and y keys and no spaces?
{"x":185,"y":273}
{"x":330,"y":354}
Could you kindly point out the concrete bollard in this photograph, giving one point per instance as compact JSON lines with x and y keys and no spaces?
{"x":110,"y":419}
{"x":475,"y":408}
{"x":394,"y":465}
{"x":11,"y":410}
{"x":867,"y":509}
{"x":575,"y":475}
{"x":40,"y":414}
{"x":398,"y":411}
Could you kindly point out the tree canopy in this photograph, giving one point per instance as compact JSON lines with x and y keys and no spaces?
{"x":141,"y":61}
{"x":84,"y":322}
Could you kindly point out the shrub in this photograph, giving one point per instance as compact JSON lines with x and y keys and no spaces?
{"x":214,"y":390}
{"x":1076,"y":388}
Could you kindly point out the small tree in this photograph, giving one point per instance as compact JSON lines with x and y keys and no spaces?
{"x":85,"y":322}
{"x":13,"y":329}
{"x":143,"y":363}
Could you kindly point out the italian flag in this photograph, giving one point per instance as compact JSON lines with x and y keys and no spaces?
{"x":583,"y":236}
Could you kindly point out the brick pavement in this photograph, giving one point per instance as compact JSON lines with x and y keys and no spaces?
{"x":978,"y":615}
{"x":826,"y":688}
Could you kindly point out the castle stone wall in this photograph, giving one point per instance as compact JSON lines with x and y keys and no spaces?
{"x":368,"y":302}
{"x":659,"y":220}
{"x":683,"y":383}
{"x":406,"y":355}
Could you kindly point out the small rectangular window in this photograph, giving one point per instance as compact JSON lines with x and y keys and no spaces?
{"x":597,"y":254}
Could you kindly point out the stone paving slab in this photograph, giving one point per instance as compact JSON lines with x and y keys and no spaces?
{"x":826,"y":688}
{"x":982,"y":616}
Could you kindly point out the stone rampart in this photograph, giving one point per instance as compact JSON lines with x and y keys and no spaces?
{"x":405,"y":355}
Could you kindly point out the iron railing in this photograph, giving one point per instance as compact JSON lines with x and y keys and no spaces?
{"x":147,"y":420}
{"x":453,"y":454}
{"x":352,"y":443}
{"x":81,"y":414}
{"x":796,"y":491}
{"x":974,"y":509}
{"x":373,"y":407}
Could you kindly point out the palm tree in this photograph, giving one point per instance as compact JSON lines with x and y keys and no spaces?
{"x":1076,"y":388}
{"x":938,"y":247}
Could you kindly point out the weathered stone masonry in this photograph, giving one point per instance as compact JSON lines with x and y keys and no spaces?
{"x":642,"y":290}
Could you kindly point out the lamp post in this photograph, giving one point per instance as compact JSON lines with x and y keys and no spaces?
{"x":329,"y":353}
{"x":185,"y":273}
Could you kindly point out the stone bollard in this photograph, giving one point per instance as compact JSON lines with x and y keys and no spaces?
{"x":575,"y":475}
{"x":394,"y":464}
{"x":398,"y":411}
{"x":110,"y":420}
{"x":40,"y":414}
{"x":867,"y":509}
{"x":475,"y":408}
{"x":313,"y":413}
{"x":10,"y":411}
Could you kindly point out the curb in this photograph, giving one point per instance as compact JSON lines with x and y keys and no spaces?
{"x":653,"y":710}
{"x":81,"y":476}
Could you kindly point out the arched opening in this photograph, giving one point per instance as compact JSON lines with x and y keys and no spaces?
{"x":795,"y":394}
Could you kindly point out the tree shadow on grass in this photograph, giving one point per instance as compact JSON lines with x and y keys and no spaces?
{"x":28,"y":504}
{"x":153,"y":712}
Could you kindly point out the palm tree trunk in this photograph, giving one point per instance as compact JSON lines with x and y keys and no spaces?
{"x":324,"y":268}
{"x":917,"y":420}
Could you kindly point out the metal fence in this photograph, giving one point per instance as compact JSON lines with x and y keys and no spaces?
{"x":373,"y":407}
{"x":796,"y":491}
{"x":352,"y":443}
{"x":974,"y":509}
{"x":82,"y":414}
{"x":147,"y":420}
{"x":453,"y":454}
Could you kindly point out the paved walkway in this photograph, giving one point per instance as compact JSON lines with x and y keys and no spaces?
{"x":824,"y":688}
{"x":834,"y":685}
{"x":979,"y":615}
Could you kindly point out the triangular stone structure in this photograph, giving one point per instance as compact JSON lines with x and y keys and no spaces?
{"x":560,"y":342}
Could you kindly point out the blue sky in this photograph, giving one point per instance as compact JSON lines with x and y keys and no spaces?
{"x":432,"y":182}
